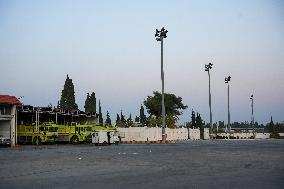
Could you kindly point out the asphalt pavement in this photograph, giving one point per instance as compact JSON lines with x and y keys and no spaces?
{"x":187,"y":164}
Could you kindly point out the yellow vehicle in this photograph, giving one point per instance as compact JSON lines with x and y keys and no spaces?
{"x":74,"y":133}
{"x":47,"y":132}
{"x":50,"y":132}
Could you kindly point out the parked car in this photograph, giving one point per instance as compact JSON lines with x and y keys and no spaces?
{"x":4,"y":141}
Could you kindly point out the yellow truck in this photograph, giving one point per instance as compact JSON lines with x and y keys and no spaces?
{"x":51,"y":133}
{"x":47,"y":132}
{"x":74,"y":133}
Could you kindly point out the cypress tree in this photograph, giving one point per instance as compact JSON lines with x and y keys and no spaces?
{"x":90,"y":103}
{"x":122,"y":118}
{"x":108,"y":120}
{"x":142,"y":116}
{"x":87,"y":104}
{"x":117,"y":119}
{"x":136,"y":119}
{"x":199,"y":122}
{"x":271,"y":126}
{"x":93,"y":103}
{"x":193,"y":119}
{"x":101,"y":121}
{"x":129,"y":121}
{"x":67,"y":101}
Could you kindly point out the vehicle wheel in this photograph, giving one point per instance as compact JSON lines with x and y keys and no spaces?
{"x":74,"y":139}
{"x":116,"y":142}
{"x":104,"y":143}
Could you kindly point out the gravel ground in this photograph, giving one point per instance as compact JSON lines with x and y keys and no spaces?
{"x":190,"y":164}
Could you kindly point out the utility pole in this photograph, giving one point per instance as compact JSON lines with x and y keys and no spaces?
{"x":227,"y":79}
{"x":160,"y":35}
{"x":208,"y":67}
{"x":37,"y":126}
{"x":252,"y":116}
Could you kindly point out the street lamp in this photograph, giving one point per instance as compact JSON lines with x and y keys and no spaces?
{"x":227,"y":79}
{"x":208,"y":67}
{"x":252,"y":117}
{"x":160,"y":35}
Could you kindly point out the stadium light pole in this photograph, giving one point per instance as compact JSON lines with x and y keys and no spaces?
{"x":160,"y":35}
{"x":208,"y":67}
{"x":227,"y":79}
{"x":252,"y":116}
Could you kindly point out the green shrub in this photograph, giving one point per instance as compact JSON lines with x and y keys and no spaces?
{"x":275,"y":135}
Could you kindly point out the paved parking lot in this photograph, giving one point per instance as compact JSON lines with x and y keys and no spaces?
{"x":191,"y":164}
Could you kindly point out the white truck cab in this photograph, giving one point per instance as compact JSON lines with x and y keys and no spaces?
{"x":105,"y":137}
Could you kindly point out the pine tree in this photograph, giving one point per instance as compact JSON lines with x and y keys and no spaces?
{"x":101,"y":121}
{"x":142,"y":116}
{"x":67,"y":101}
{"x":108,"y":120}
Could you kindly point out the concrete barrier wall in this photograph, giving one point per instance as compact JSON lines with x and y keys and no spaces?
{"x":206,"y":134}
{"x":262,"y":135}
{"x":152,"y":134}
{"x":246,"y":135}
{"x":194,"y":134}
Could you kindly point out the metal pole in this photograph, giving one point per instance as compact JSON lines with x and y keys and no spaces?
{"x":35,"y":124}
{"x":56,"y":118}
{"x":210,"y":101}
{"x":229,"y":123}
{"x":252,"y":117}
{"x":163,"y":96}
{"x":16,"y":129}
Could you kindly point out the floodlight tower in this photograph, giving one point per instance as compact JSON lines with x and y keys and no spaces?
{"x":252,"y":116}
{"x":160,"y":35}
{"x":208,"y":67}
{"x":227,"y":79}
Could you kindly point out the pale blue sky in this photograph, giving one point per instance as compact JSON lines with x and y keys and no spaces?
{"x":109,"y":47}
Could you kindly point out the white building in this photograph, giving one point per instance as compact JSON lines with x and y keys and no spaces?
{"x":8,"y":124}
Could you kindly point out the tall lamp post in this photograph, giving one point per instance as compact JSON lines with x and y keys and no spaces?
{"x":160,"y":35}
{"x":208,"y":67}
{"x":227,"y":79}
{"x":252,"y":117}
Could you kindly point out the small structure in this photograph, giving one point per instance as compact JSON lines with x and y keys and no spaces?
{"x":8,"y":120}
{"x":105,"y":137}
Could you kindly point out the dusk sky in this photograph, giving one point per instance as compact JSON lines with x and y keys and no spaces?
{"x":109,"y":47}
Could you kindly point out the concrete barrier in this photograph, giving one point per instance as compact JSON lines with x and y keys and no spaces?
{"x":154,"y":134}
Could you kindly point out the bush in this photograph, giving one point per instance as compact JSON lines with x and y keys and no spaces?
{"x":219,"y":137}
{"x":275,"y":135}
{"x":232,"y":137}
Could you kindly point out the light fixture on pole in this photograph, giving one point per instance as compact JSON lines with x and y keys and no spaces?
{"x":227,"y":79}
{"x":208,"y":67}
{"x":160,"y":35}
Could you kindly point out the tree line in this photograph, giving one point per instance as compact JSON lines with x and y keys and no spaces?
{"x":174,"y":108}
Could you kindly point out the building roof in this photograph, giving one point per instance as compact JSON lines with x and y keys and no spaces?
{"x":6,"y":99}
